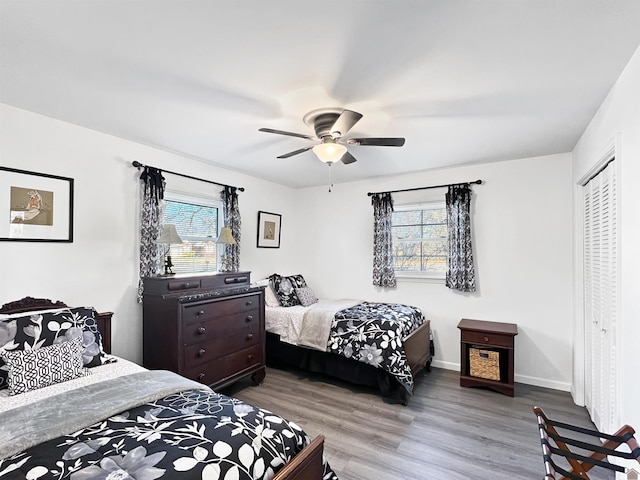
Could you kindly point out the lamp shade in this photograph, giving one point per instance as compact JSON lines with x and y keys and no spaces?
{"x":329,"y":152}
{"x":168,"y":235}
{"x":226,"y":237}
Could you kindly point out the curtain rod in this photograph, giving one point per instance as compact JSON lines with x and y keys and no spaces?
{"x":477,"y":182}
{"x":139,"y":165}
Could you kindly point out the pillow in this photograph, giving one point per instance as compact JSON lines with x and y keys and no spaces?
{"x":284,"y":288}
{"x":306,"y":296}
{"x":270,"y":298}
{"x":33,"y":331}
{"x":33,"y":369}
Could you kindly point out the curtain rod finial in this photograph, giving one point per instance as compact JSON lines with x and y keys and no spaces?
{"x":137,"y":164}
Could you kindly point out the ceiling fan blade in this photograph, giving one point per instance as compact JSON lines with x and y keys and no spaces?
{"x":282,"y":132}
{"x":381,"y":142}
{"x":296,"y":152}
{"x":345,"y":122}
{"x":347,"y":158}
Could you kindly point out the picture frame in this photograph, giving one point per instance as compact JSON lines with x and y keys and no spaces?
{"x":269,"y":227}
{"x":35,"y":206}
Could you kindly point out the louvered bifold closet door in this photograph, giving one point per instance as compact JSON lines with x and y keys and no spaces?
{"x":600,"y":296}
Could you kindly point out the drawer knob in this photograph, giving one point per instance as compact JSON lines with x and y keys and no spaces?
{"x":486,"y":339}
{"x":200,"y":313}
{"x":200,"y":376}
{"x":201,"y":352}
{"x":249,"y":303}
{"x":249,"y":336}
{"x":201,"y":330}
{"x":249,"y":318}
{"x":249,"y":357}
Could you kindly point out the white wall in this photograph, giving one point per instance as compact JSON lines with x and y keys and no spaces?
{"x":523,"y":243}
{"x":522,"y":230}
{"x":618,"y":122}
{"x":100,"y":267}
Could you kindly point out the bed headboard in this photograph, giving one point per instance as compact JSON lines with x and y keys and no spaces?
{"x":30,"y":304}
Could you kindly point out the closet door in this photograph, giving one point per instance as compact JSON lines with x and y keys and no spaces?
{"x":600,"y":295}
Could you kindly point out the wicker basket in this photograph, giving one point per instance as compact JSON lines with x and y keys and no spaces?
{"x":484,"y":363}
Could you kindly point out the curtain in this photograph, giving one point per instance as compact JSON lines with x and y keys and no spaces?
{"x":383,"y":274}
{"x":232,"y":219}
{"x":460,"y":271}
{"x":152,"y":192}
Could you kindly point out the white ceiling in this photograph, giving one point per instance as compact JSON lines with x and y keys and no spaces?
{"x":464,"y":81}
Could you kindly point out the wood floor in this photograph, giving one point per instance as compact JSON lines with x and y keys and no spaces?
{"x":446,"y":432}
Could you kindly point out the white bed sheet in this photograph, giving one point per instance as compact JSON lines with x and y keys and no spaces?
{"x":119,"y":368}
{"x":287,"y":321}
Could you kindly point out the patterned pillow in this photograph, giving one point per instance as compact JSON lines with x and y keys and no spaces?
{"x":306,"y":296}
{"x":33,"y":369}
{"x":34,"y":331}
{"x":284,"y":288}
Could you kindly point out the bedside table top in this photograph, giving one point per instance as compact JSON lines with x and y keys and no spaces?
{"x":489,"y":327}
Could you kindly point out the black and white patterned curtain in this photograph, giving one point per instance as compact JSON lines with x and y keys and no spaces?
{"x":383,"y":273}
{"x":152,"y":192}
{"x":232,"y":219}
{"x":460,"y":270}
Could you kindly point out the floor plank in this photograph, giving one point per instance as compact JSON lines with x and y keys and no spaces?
{"x":446,"y":431}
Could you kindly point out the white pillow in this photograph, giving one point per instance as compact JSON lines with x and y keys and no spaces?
{"x":270,"y":297}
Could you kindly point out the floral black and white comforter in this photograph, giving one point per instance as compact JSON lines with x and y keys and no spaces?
{"x":372,"y":333}
{"x":190,"y":434}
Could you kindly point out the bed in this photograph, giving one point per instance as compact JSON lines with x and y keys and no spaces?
{"x":380,"y":345}
{"x":69,"y":409}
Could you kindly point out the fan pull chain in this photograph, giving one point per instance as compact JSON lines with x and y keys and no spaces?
{"x":330,"y":179}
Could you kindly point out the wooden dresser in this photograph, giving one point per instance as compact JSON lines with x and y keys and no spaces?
{"x":206,"y":327}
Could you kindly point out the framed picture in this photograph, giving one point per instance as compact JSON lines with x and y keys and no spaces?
{"x":35,"y":207}
{"x":269,"y":230}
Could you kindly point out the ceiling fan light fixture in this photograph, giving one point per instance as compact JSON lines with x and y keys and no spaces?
{"x":329,"y":152}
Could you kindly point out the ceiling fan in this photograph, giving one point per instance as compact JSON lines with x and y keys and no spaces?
{"x":330,"y":126}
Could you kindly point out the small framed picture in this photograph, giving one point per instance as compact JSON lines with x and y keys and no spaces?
{"x":269,"y":230}
{"x":35,"y":207}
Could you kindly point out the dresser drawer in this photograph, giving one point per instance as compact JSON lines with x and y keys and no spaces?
{"x":221,"y":368}
{"x":221,"y":327}
{"x":221,"y":345}
{"x":486,"y":338}
{"x":220,"y":308}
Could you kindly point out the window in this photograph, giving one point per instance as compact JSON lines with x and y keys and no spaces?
{"x":197,"y":221}
{"x":419,"y":235}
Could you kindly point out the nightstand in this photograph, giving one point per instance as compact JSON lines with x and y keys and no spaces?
{"x":494,"y":337}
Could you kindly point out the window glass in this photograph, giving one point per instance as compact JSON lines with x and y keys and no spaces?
{"x":419,"y":235}
{"x":197,"y":222}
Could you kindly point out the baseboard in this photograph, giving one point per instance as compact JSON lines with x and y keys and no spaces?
{"x":543,"y":382}
{"x":538,"y":382}
{"x":445,"y":365}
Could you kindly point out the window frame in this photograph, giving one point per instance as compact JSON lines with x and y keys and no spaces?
{"x":427,"y":276}
{"x":189,"y":198}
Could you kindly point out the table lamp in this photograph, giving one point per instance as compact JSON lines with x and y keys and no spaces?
{"x":226,"y":238}
{"x":168,"y":236}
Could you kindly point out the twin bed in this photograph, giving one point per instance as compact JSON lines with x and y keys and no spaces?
{"x":76,"y":412}
{"x":380,"y":345}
